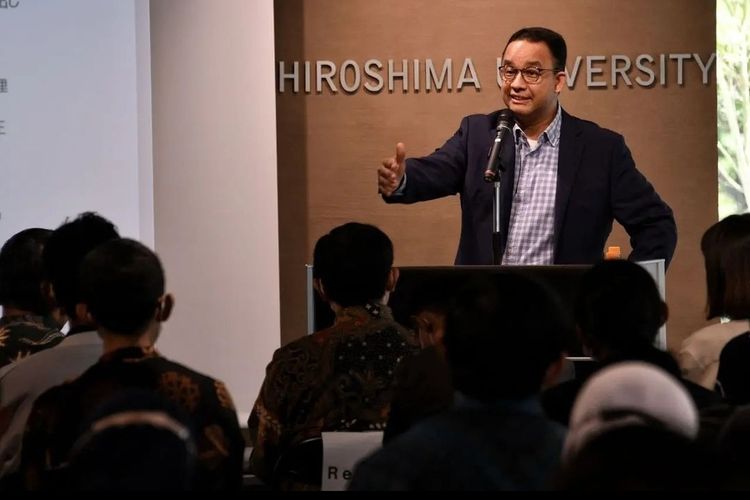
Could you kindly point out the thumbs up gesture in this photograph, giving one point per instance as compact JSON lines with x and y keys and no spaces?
{"x":392,"y":171}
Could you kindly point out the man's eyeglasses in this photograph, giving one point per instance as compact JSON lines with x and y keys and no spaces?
{"x":529,"y":75}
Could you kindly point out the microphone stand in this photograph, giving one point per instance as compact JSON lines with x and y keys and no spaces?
{"x":496,"y":220}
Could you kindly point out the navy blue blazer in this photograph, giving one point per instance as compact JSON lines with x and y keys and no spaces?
{"x":597,"y":182}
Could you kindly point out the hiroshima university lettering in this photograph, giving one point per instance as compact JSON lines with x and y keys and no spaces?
{"x":415,"y":75}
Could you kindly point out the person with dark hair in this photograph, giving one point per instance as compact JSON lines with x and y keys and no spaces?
{"x":122,"y":288}
{"x":618,"y":313}
{"x":339,"y":378}
{"x":22,"y":383}
{"x":728,"y":298}
{"x":137,"y":440}
{"x":633,"y":428}
{"x":27,"y":325}
{"x":422,"y":385}
{"x":565,"y":179}
{"x":504,"y":339}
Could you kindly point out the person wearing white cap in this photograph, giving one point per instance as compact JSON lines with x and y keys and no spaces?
{"x":633,"y":427}
{"x":630,"y":393}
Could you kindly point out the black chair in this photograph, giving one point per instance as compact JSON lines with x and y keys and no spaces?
{"x":300,"y":466}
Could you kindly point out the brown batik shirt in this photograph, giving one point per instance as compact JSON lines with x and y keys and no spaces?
{"x":337,"y":379}
{"x":23,"y":335}
{"x":57,"y":414}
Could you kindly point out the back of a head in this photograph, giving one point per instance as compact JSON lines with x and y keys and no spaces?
{"x":135,"y":441}
{"x":629,"y":394}
{"x":716,"y":242}
{"x":21,"y":271}
{"x":735,"y":266}
{"x":554,"y":41}
{"x":353,"y":262}
{"x":637,"y":458}
{"x":122,"y":282}
{"x":502,"y":335}
{"x":65,"y":250}
{"x":618,"y":307}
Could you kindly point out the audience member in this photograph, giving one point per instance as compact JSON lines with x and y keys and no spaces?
{"x":27,"y":325}
{"x":734,"y":360}
{"x":136,"y":441}
{"x":633,"y":428}
{"x":733,"y":452}
{"x":728,"y":295}
{"x":496,"y":436}
{"x":81,"y":347}
{"x":422,"y":384}
{"x":618,"y":314}
{"x":339,"y":378}
{"x":123,"y":291}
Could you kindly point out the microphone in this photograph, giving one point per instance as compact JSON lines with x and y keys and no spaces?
{"x":505,"y":122}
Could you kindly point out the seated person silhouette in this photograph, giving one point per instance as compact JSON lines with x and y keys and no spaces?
{"x":633,"y":428}
{"x":728,"y":297}
{"x":504,"y":340}
{"x":27,"y":325}
{"x":137,"y":440}
{"x":123,"y":291}
{"x":618,"y":314}
{"x":21,"y":383}
{"x":423,"y":385}
{"x":339,"y":378}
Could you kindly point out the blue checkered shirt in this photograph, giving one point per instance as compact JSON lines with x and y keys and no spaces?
{"x":532,"y":216}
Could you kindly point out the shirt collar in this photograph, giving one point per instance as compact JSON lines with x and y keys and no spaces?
{"x":130,"y":354}
{"x":552,"y":132}
{"x":364,"y":312}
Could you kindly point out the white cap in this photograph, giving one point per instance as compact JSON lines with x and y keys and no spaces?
{"x":625,"y":394}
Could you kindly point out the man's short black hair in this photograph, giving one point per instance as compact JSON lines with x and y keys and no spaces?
{"x":66,"y":248}
{"x":353,"y":262}
{"x":21,"y":271}
{"x":121,"y":282}
{"x":502,"y":334}
{"x":553,"y":40}
{"x":619,"y":307}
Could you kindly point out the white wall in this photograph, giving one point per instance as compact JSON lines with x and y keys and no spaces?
{"x":215,"y":200}
{"x":71,"y":116}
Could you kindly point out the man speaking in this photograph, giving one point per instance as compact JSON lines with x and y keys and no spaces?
{"x":564,"y":180}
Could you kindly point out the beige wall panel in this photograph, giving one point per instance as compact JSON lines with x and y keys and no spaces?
{"x":331,"y":143}
{"x":215,"y":201}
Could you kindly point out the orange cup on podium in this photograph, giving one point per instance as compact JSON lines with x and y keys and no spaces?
{"x":612,"y":253}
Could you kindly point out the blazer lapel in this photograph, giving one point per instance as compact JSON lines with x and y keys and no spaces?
{"x":568,"y":162}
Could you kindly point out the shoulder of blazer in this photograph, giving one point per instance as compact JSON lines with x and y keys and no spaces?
{"x":573,"y":126}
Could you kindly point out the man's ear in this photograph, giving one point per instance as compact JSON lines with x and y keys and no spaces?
{"x":165,"y":307}
{"x":552,"y":375}
{"x":664,"y":313}
{"x":48,"y":292}
{"x":560,"y":80}
{"x":390,"y":284}
{"x":82,"y":312}
{"x":318,"y":286}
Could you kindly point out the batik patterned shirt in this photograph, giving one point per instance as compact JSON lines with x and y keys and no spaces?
{"x":337,"y":379}
{"x":54,"y":422}
{"x":22,"y":336}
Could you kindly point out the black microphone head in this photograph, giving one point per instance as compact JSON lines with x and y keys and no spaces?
{"x":505,"y":118}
